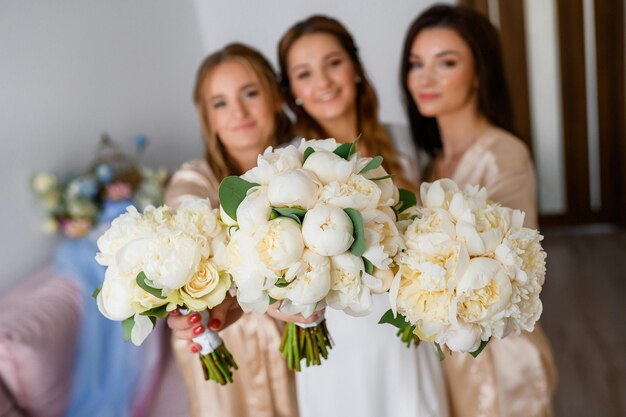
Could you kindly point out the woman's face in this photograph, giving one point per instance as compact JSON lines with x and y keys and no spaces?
{"x":240,"y":110}
{"x":442,"y":78}
{"x":322,"y":76}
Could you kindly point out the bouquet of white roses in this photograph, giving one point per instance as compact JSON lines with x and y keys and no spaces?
{"x":159,"y":260}
{"x":469,"y":270}
{"x":313,"y":226}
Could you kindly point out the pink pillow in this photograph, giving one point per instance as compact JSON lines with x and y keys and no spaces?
{"x":38,"y":329}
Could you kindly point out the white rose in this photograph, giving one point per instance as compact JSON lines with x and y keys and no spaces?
{"x":255,"y":209}
{"x":350,"y":285}
{"x":329,"y":167}
{"x":279,"y":243}
{"x":482,"y":294}
{"x":357,"y":192}
{"x":207,"y":288}
{"x":273,"y":162}
{"x":327,"y":230}
{"x":438,"y":194}
{"x":297,"y":187}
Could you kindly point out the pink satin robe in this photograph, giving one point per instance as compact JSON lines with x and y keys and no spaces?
{"x":515,"y":376}
{"x":263,"y":386}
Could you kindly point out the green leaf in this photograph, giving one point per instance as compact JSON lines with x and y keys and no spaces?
{"x":281,"y":282}
{"x":346,"y":150}
{"x":407,"y":199}
{"x":398,"y":321}
{"x":381,"y":178}
{"x":160,"y":312}
{"x":440,"y":352}
{"x":358,"y":246}
{"x":272,"y":300}
{"x":480,"y":348}
{"x":141,"y":281}
{"x":95,"y":292}
{"x":293,"y":213}
{"x":373,"y":164}
{"x":369,"y":267}
{"x":128,"y":325}
{"x":307,"y":152}
{"x":232,"y":192}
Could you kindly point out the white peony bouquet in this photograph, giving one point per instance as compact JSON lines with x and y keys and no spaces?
{"x":312,"y":226}
{"x":159,"y":260}
{"x":469,"y":271}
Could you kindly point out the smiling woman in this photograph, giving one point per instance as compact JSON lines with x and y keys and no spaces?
{"x":240,"y":110}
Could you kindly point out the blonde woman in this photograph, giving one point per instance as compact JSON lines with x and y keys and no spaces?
{"x":240,"y":109}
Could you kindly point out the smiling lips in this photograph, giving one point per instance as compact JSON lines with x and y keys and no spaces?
{"x":328,"y":96}
{"x":428,"y":96}
{"x":245,"y":126}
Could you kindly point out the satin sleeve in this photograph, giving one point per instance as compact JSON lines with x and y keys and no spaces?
{"x":193,"y":180}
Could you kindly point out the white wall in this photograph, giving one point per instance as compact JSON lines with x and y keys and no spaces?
{"x":70,"y":70}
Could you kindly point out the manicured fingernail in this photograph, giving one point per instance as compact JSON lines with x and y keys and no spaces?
{"x":199,"y":329}
{"x":194,"y":318}
{"x":194,"y":349}
{"x":215,"y":324}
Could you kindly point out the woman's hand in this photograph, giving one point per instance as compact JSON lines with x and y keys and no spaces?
{"x":190,"y":326}
{"x":273,"y":311}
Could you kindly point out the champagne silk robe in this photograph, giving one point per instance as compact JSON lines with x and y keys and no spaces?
{"x":263,"y":386}
{"x":515,"y":376}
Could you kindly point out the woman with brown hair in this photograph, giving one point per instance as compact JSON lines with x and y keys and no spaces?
{"x":240,"y":109}
{"x":461,"y":116}
{"x":368,"y":372}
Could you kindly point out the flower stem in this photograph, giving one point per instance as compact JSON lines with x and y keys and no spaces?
{"x":311,"y":344}
{"x":218,"y":365}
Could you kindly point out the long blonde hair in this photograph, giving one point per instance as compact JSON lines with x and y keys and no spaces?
{"x":373,"y":136}
{"x":216,"y":155}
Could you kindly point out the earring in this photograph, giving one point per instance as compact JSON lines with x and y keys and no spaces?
{"x":357,"y":79}
{"x":298,"y":101}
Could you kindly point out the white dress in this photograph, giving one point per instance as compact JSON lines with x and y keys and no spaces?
{"x":369,"y":371}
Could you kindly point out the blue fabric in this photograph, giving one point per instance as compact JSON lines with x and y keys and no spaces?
{"x":106,"y":369}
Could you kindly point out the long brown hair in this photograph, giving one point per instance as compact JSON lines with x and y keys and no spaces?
{"x":215,"y":151}
{"x":475,"y":29}
{"x":373,"y":136}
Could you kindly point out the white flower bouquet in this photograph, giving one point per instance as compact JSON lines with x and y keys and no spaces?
{"x":469,"y":271}
{"x":159,"y":260}
{"x":312,"y":227}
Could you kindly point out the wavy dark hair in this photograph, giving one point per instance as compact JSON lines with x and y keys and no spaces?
{"x":253,"y":59}
{"x":494,"y":101}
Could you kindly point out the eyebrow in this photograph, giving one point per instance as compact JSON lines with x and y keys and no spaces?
{"x":439,"y":54}
{"x":243,"y":87}
{"x":324,"y":58}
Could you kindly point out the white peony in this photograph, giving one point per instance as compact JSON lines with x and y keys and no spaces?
{"x":483,"y":230}
{"x":389,"y":193}
{"x":318,"y":145}
{"x":297,"y":187}
{"x":327,"y":230}
{"x":438,"y":194}
{"x":273,"y":162}
{"x":116,"y":295}
{"x":255,"y":209}
{"x":330,"y":167}
{"x":311,"y":282}
{"x":382,"y":239}
{"x":357,"y":192}
{"x":351,"y":285}
{"x":279,"y":243}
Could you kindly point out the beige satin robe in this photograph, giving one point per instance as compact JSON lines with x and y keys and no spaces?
{"x":515,"y":376}
{"x":263,"y":386}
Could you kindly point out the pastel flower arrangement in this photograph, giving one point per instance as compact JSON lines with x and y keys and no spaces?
{"x":75,"y":203}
